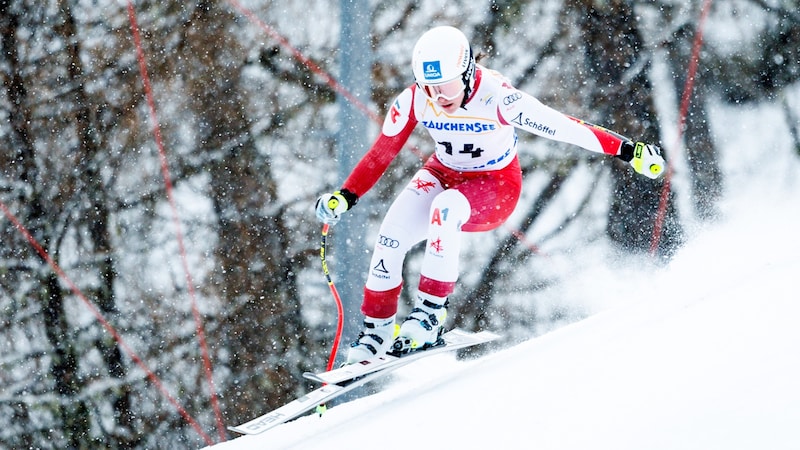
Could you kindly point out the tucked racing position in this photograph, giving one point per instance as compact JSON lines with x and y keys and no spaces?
{"x":471,"y":182}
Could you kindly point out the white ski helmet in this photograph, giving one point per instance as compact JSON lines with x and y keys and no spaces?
{"x":441,"y":55}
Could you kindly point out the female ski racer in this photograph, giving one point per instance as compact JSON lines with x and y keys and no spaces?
{"x":471,"y":183}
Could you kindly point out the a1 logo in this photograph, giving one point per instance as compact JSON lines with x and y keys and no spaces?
{"x":439,"y":216}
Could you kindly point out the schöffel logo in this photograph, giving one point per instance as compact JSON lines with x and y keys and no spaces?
{"x":433,"y":70}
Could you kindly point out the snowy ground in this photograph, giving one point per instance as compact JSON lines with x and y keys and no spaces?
{"x":702,"y":354}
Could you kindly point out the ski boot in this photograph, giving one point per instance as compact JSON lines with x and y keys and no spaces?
{"x":423,"y":327}
{"x":375,"y":340}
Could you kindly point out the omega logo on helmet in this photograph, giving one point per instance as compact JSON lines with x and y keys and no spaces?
{"x":433,"y":70}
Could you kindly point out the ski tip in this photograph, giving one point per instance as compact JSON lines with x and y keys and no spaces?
{"x":489,"y":335}
{"x":485,"y":335}
{"x":312,"y":376}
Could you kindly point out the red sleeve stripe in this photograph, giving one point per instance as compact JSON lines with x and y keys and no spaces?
{"x":609,"y":140}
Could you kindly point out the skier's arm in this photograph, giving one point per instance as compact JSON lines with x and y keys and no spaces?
{"x":375,"y":162}
{"x":397,"y":127}
{"x":645,"y":158}
{"x":529,"y":114}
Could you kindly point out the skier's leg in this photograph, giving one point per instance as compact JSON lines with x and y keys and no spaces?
{"x":449,"y":211}
{"x":403,"y":226}
{"x":478,"y":203}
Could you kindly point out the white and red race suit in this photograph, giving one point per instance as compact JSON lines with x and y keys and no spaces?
{"x":471,"y":183}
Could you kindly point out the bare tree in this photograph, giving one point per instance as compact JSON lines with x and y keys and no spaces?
{"x":623,"y":97}
{"x":255,"y":278}
{"x":42,"y":217}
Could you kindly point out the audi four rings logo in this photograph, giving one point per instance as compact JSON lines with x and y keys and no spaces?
{"x":512,"y":98}
{"x":388,"y":242}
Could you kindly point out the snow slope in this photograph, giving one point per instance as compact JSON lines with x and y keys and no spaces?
{"x":702,"y":354}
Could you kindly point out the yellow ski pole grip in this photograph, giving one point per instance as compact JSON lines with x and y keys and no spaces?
{"x":655,"y":169}
{"x":333,"y":203}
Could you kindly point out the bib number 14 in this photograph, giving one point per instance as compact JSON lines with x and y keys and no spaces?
{"x":469,"y":149}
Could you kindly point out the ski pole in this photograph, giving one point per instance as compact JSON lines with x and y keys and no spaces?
{"x":336,"y":297}
{"x":339,"y":309}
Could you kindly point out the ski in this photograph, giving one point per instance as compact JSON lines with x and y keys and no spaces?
{"x":453,"y":340}
{"x":301,"y":405}
{"x":365,"y":372}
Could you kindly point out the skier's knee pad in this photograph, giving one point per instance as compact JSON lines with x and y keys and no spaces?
{"x":450,"y":209}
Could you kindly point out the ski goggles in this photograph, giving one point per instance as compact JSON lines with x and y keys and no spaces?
{"x":448,"y":91}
